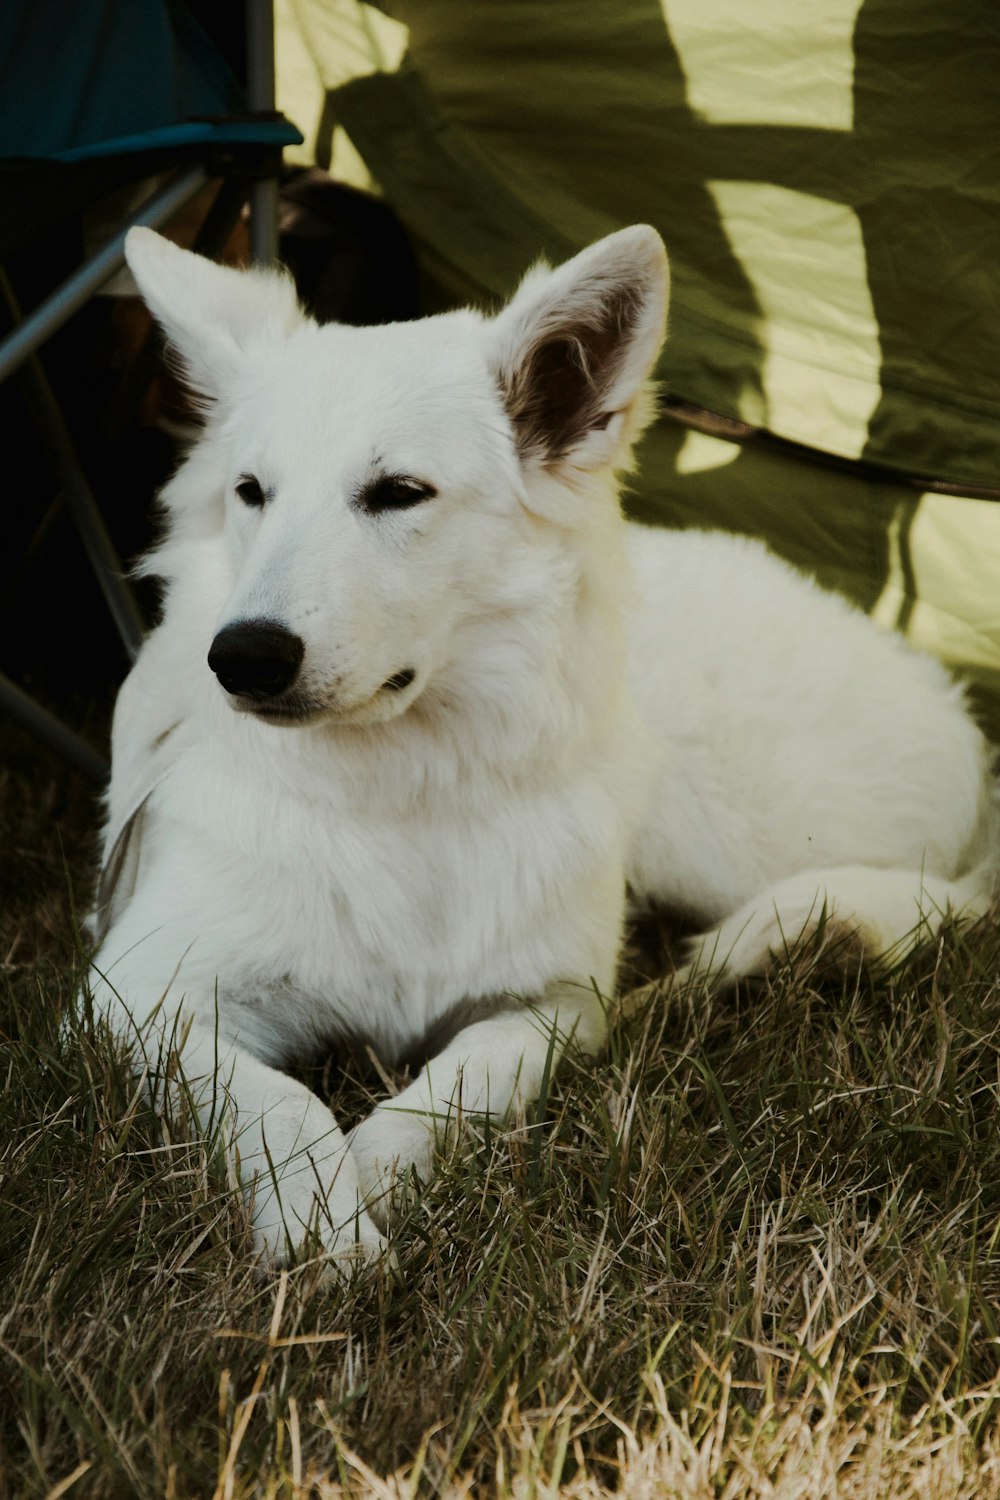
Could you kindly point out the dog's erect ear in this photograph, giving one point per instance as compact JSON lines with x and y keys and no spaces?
{"x":212,"y":315}
{"x":575,"y":346}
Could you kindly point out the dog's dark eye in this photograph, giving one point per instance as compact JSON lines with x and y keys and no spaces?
{"x":249,"y":490}
{"x":394,"y":492}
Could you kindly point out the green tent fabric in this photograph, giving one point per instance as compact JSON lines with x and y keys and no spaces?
{"x":827,"y":180}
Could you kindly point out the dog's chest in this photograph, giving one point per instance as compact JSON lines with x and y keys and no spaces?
{"x":384,"y":920}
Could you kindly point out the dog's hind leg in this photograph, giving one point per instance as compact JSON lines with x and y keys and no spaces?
{"x":854,"y":912}
{"x":492,"y":1068}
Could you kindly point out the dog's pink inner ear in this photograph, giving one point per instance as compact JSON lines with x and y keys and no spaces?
{"x":558,"y":389}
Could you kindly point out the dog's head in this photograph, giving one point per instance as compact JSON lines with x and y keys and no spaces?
{"x":374,"y":492}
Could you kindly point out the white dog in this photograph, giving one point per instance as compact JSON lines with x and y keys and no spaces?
{"x":451,"y":703}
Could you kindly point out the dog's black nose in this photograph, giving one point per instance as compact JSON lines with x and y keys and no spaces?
{"x":256,"y":658}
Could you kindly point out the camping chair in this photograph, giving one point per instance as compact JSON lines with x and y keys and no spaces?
{"x":102,"y":98}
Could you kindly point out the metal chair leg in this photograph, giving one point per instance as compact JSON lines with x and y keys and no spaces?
{"x":51,"y":314}
{"x":79,"y":496}
{"x":51,"y":731}
{"x":260,"y":97}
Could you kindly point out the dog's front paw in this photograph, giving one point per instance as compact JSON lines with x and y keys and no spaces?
{"x":343,"y":1236}
{"x":388,"y":1148}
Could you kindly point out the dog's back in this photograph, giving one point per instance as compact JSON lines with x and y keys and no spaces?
{"x":798,"y":745}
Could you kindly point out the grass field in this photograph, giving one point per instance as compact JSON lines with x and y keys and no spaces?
{"x":752,"y":1251}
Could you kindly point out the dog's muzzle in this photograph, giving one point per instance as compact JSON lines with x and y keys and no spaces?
{"x":256,"y":658}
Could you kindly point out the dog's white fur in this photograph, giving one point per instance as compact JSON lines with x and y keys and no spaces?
{"x":386,"y":861}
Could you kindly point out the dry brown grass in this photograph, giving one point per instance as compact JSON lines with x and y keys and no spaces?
{"x":752,"y":1252}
